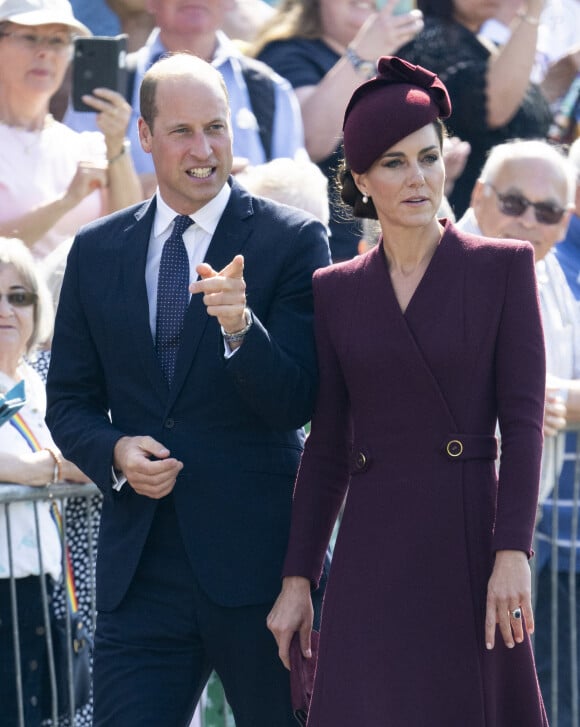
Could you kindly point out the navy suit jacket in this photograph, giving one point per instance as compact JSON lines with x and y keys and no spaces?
{"x":236,"y":424}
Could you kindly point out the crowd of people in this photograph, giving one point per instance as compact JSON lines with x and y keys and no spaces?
{"x":298,"y":214}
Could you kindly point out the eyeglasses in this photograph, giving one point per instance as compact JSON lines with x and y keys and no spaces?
{"x":20,"y":298}
{"x":514,"y":205}
{"x":58,"y":43}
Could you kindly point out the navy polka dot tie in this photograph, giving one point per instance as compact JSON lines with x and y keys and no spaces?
{"x":172,"y":296}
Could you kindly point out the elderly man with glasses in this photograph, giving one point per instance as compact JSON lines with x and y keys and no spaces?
{"x":526,"y":191}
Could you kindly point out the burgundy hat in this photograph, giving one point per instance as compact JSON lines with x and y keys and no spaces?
{"x":399,"y":100}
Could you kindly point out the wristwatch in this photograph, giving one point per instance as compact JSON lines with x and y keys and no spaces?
{"x":365,"y":68}
{"x":238,"y":336}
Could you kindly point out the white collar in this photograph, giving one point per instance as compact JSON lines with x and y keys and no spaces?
{"x":207,"y":217}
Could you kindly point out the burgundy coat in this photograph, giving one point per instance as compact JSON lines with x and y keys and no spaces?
{"x":405,"y":421}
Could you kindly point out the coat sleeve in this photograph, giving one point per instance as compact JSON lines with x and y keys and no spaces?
{"x":323,"y":476}
{"x":275,"y":370}
{"x":520,"y":384}
{"x":77,"y":409}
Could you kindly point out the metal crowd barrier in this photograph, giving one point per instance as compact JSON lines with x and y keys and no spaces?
{"x":214,"y":710}
{"x":10,"y":494}
{"x":560,"y":546}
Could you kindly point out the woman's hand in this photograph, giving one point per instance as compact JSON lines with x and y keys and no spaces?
{"x":88,"y":177}
{"x":38,"y":469}
{"x":71,"y":473}
{"x":554,"y":414}
{"x":509,"y":589}
{"x":35,"y":469}
{"x":292,"y":612}
{"x":455,"y":153}
{"x":114,"y":114}
{"x":384,"y":33}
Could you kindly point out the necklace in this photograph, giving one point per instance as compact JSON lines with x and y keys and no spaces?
{"x":28,"y":139}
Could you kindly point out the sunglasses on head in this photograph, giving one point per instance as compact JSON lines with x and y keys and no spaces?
{"x":20,"y":298}
{"x":514,"y":205}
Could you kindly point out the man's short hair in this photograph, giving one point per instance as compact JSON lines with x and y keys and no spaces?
{"x":174,"y":65}
{"x":535,"y":149}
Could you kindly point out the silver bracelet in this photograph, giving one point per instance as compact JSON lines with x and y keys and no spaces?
{"x":124,"y":150}
{"x":237,"y":336}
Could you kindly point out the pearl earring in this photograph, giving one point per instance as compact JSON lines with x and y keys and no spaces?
{"x":365,"y":199}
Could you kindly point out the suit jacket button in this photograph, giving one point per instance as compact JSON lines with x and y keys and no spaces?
{"x":361,"y":460}
{"x":169,"y":423}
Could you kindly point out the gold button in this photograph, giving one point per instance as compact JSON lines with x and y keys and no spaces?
{"x":454,"y":448}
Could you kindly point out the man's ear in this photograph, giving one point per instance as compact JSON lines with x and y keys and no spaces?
{"x":144,"y":135}
{"x":564,"y":222}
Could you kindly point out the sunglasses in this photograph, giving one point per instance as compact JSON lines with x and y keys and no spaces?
{"x":514,"y":205}
{"x":20,"y":298}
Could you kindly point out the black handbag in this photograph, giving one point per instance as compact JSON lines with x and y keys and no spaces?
{"x":72,"y":662}
{"x":71,"y":651}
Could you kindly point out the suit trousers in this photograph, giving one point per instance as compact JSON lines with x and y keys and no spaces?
{"x":154,"y":653}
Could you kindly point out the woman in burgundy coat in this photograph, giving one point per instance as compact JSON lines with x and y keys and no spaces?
{"x":424,"y":344}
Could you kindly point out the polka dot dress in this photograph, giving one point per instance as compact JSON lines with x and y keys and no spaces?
{"x":81,"y":513}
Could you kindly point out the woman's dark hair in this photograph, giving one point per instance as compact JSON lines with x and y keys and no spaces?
{"x":352,"y":196}
{"x":292,"y":19}
{"x":437,"y":8}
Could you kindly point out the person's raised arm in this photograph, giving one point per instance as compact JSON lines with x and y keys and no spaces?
{"x":33,"y":225}
{"x":323,"y":105}
{"x":508,"y":74}
{"x":114,"y":114}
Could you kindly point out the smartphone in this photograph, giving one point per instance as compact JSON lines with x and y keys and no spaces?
{"x":98,"y":62}
{"x":403,"y":6}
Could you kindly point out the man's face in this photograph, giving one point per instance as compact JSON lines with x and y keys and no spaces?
{"x":191,"y":141}
{"x":189,"y":16}
{"x":531,"y":180}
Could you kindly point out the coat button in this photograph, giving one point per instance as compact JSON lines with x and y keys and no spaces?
{"x":169,"y":423}
{"x":361,"y":460}
{"x":454,"y":448}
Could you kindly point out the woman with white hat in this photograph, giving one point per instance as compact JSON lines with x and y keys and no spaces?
{"x":52,"y":179}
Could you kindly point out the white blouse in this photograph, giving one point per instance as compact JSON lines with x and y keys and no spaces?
{"x":36,"y":167}
{"x":25,"y":561}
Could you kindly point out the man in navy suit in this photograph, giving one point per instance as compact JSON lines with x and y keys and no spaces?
{"x":197,"y":457}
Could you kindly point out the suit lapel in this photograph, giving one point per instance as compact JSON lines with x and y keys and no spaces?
{"x":133,"y":261}
{"x":228,"y":240}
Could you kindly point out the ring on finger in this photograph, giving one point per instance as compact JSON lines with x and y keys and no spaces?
{"x":516,"y":613}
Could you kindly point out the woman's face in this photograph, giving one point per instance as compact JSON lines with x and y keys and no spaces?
{"x":473,"y":13}
{"x":342,"y":19}
{"x":406,"y":182}
{"x":34,"y":58}
{"x":16,"y":322}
